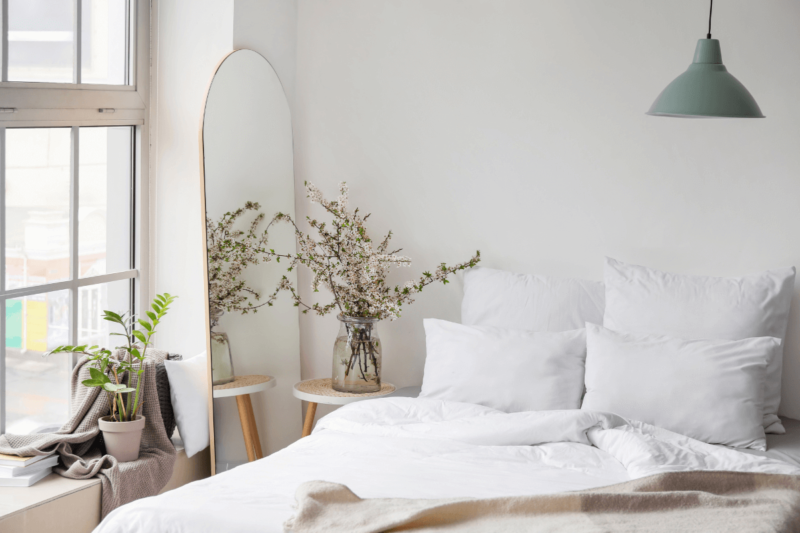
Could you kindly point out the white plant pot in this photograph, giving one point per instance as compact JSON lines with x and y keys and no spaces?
{"x":122,"y":438}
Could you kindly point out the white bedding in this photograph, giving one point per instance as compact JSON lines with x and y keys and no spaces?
{"x":420,"y":448}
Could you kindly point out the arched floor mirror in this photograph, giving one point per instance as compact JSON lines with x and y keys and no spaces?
{"x":247,"y":158}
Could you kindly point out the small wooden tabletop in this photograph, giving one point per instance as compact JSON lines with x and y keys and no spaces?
{"x":320,"y":391}
{"x":244,"y":385}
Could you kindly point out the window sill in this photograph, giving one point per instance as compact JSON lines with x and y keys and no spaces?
{"x":58,"y":504}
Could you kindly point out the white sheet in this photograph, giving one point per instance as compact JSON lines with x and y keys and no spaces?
{"x":420,"y":448}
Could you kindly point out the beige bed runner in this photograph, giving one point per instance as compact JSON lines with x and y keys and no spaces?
{"x":706,"y":502}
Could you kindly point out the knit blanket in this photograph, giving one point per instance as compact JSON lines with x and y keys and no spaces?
{"x":78,"y":442}
{"x":697,"y":501}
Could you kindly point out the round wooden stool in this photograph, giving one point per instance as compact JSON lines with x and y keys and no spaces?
{"x":242,"y":387}
{"x":316,"y":391}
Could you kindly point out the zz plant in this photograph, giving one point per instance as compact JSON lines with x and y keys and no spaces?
{"x":106,"y":370}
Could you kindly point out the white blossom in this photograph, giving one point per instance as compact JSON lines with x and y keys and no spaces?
{"x":344,"y":262}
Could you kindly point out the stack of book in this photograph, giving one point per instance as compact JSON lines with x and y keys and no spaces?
{"x":18,"y":471}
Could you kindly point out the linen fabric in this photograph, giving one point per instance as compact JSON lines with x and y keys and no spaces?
{"x":537,"y":303}
{"x":188,"y":382}
{"x":709,"y":390}
{"x":689,"y":502}
{"x":81,"y":453}
{"x":431,"y":449}
{"x":644,"y":300}
{"x":508,"y":370}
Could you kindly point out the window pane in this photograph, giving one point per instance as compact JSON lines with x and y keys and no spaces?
{"x":95,"y":299}
{"x":40,"y":40}
{"x":37,"y":387}
{"x":104,"y":216}
{"x":103,"y":41}
{"x":37,"y":206}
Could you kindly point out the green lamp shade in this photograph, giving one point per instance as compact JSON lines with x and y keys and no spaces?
{"x":706,"y":90}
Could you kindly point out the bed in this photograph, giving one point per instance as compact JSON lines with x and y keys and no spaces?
{"x":517,"y":402}
{"x":419,"y":448}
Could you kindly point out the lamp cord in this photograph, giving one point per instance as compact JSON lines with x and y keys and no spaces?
{"x":710,"y":9}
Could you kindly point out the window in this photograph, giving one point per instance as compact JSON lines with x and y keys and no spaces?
{"x":73,"y":190}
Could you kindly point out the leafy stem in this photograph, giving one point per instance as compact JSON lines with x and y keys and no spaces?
{"x":105,"y":366}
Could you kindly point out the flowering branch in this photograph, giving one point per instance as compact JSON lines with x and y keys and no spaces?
{"x":344,"y":261}
{"x":230,"y":252}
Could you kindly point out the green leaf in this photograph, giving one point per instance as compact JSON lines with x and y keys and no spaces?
{"x":152,"y":315}
{"x":146,"y":325}
{"x":112,"y":314}
{"x":91,"y":383}
{"x":139,"y":335}
{"x":97,"y":375}
{"x":136,"y":354}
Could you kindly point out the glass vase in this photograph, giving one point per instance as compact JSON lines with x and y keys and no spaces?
{"x":221,"y":358}
{"x":357,"y":356}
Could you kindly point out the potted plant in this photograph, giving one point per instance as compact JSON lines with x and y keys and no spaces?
{"x":120,"y":374}
{"x":346,"y":261}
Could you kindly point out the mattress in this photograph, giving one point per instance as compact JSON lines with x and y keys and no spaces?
{"x":784,"y":447}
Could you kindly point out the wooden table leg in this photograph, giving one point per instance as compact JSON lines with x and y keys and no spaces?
{"x":309,"y":424}
{"x":254,"y":429}
{"x":245,"y":410}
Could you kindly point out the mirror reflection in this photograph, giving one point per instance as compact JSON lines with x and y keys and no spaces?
{"x":246,"y":146}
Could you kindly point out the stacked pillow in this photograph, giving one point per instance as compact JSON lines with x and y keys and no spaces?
{"x":507,"y":369}
{"x":643,"y":300}
{"x":700,"y":356}
{"x":521,"y":345}
{"x":536,"y":303}
{"x":710,"y":390}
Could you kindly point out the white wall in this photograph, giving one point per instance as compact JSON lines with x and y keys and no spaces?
{"x":270,"y":28}
{"x":189,"y":37}
{"x":518,"y":127}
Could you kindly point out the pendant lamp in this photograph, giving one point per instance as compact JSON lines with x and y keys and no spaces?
{"x":706,"y":89}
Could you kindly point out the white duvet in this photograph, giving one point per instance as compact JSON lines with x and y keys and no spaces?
{"x":417,"y":448}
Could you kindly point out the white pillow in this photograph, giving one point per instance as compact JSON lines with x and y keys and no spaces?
{"x":188,"y":384}
{"x":509,"y":370}
{"x":710,"y":390}
{"x":643,"y":300}
{"x":536,"y":303}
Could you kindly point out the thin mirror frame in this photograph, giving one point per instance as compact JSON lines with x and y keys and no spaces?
{"x":203,"y":211}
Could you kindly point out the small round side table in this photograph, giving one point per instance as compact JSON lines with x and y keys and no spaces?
{"x":242,"y":387}
{"x":316,"y":391}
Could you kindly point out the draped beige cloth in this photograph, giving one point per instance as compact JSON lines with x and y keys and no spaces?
{"x":689,"y":502}
{"x":78,"y":441}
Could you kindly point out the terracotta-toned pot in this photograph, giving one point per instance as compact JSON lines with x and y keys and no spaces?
{"x":122,"y":438}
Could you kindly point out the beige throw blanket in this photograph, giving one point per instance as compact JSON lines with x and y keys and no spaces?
{"x":78,"y":444}
{"x":706,"y":502}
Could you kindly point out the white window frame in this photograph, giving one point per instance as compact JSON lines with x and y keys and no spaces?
{"x":48,"y":105}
